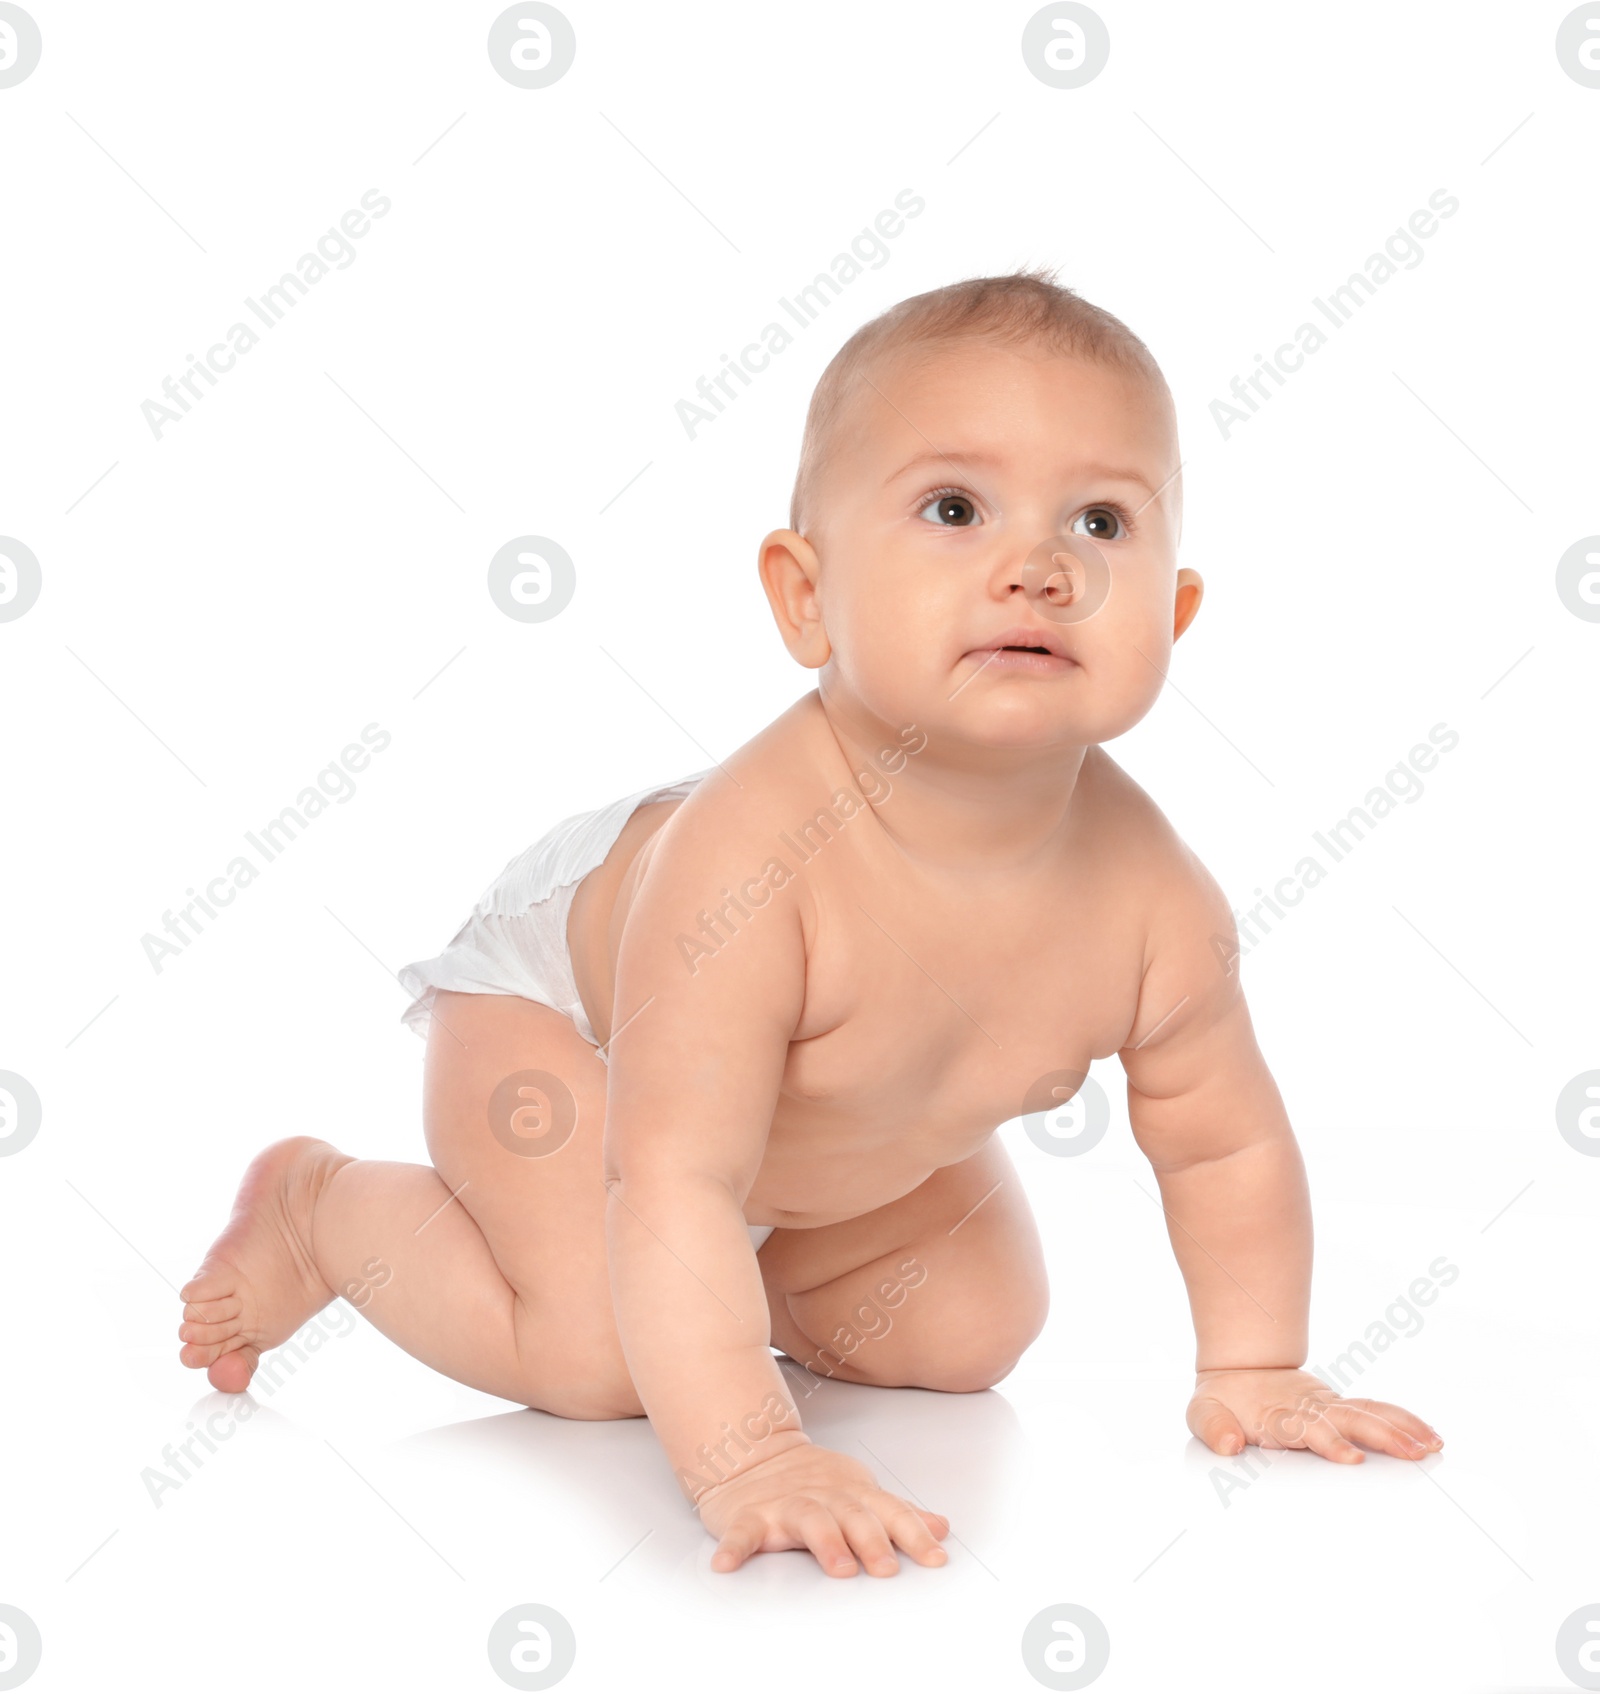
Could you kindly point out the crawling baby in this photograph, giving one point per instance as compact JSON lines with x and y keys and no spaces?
{"x":716,"y":1070}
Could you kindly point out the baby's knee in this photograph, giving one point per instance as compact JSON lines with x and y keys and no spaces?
{"x":570,"y":1382}
{"x":589,"y":1402}
{"x":966,"y":1372}
{"x":977,"y":1355}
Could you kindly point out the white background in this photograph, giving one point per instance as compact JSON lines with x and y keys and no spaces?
{"x":227,"y":606}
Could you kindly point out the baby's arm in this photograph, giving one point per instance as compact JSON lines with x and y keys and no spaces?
{"x":1207,"y":1114}
{"x":699,"y":1044}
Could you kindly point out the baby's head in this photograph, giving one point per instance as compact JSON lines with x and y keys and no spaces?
{"x":993,"y":462}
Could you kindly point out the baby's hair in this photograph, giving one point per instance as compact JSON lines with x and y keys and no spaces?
{"x":1025,"y":307}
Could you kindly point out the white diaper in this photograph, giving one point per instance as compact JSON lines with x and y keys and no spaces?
{"x":515,"y":941}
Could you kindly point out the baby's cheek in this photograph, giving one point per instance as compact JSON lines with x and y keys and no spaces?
{"x":1123,"y":678}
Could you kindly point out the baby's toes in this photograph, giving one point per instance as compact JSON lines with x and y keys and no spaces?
{"x":196,"y":1355}
{"x":203,"y":1333}
{"x":216,"y":1280}
{"x":214,"y":1311}
{"x":213,"y":1321}
{"x":232,"y":1372}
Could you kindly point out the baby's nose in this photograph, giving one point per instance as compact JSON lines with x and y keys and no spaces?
{"x":1066,"y":578}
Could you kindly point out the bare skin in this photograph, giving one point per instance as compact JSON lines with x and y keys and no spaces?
{"x":972,"y":895}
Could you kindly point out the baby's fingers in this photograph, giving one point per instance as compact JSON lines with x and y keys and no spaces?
{"x":744,"y":1535}
{"x":870,"y":1540}
{"x":1384,"y":1427}
{"x":1211,"y":1422}
{"x":812,"y":1525}
{"x":1322,"y":1436}
{"x":917,"y":1531}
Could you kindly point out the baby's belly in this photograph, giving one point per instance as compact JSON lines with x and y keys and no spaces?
{"x":820,"y":1169}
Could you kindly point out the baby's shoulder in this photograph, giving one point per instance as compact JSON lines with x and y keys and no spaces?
{"x":1173,"y":886}
{"x":1186,"y":929}
{"x":729,"y":828}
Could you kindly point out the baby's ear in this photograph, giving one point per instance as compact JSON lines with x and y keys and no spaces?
{"x":789,"y":569}
{"x":1186,"y":601}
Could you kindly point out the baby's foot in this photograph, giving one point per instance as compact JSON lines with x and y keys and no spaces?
{"x":259,"y":1283}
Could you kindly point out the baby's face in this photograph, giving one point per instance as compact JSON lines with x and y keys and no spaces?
{"x":937,"y":512}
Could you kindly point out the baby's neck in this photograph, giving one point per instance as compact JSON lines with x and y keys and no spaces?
{"x":959,"y":807}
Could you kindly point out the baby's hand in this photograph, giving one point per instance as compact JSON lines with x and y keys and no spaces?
{"x":1292,"y":1408}
{"x":807,"y":1496}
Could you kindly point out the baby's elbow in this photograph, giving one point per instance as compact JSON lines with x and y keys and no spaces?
{"x":655,"y":1179}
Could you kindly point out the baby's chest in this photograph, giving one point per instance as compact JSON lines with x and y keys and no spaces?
{"x":965,"y":1010}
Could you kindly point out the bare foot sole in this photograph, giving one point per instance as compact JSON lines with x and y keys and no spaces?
{"x":258,"y":1283}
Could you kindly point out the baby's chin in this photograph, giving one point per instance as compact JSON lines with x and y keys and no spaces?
{"x":1050,"y":716}
{"x":1020,"y":730}
{"x":1047,"y":715}
{"x":1045,"y":727}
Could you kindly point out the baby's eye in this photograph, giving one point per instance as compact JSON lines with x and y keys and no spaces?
{"x":951,"y":509}
{"x":1102,"y":523}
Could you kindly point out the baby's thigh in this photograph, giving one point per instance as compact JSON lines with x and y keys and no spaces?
{"x":942,"y":1288}
{"x":514,"y":1107}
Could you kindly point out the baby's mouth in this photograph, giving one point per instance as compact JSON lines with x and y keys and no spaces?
{"x":1023,"y":658}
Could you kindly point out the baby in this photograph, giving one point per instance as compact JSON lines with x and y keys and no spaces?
{"x":717,"y":1069}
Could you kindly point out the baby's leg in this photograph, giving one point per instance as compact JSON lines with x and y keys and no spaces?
{"x":311,"y":1223}
{"x":528,"y":1319}
{"x":942,"y":1288}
